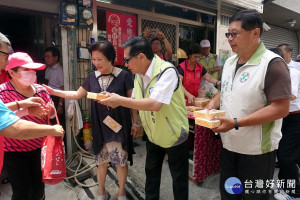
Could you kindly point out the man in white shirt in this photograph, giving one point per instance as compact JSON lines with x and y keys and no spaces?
{"x":287,"y":50}
{"x":289,"y":146}
{"x":211,"y":62}
{"x":55,"y":76}
{"x":158,"y":95}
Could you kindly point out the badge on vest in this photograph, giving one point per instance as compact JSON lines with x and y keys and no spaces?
{"x":244,"y":77}
{"x":150,"y":90}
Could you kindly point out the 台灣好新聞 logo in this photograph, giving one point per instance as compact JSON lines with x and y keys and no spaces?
{"x":233,"y":186}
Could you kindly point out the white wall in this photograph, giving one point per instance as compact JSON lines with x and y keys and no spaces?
{"x":293,"y":5}
{"x":222,"y":40}
{"x":49,"y":6}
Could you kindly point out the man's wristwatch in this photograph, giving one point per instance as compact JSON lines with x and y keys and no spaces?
{"x":236,"y":125}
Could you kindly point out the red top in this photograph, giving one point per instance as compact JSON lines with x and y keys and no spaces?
{"x":9,"y":94}
{"x":191,"y":78}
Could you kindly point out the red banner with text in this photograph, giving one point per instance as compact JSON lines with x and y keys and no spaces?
{"x":119,"y":28}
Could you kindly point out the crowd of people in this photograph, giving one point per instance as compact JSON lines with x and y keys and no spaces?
{"x":260,"y":92}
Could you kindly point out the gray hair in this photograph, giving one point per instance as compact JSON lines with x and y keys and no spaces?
{"x":4,"y":39}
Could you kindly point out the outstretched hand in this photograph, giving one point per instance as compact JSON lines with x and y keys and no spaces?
{"x":146,"y":33}
{"x":49,"y":89}
{"x":112,"y":101}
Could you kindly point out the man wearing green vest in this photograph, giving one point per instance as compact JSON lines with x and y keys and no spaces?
{"x":255,"y":93}
{"x":210,"y":61}
{"x":158,"y":95}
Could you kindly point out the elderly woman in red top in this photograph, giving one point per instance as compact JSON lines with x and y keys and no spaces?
{"x":191,"y":72}
{"x":22,"y":158}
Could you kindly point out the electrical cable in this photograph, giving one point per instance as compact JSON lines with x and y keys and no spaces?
{"x":79,"y":155}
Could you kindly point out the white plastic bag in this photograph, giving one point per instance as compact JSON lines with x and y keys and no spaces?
{"x":207,"y":89}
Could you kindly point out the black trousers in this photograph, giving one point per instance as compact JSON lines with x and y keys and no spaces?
{"x":289,"y":150}
{"x":24,"y":173}
{"x":178,"y":165}
{"x":246,"y":168}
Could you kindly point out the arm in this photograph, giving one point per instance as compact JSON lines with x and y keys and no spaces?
{"x":162,"y":93}
{"x":215,"y":102}
{"x":74,"y":95}
{"x":218,"y":66}
{"x":168,"y":47}
{"x":24,"y":130}
{"x":211,"y":79}
{"x":276,"y":110}
{"x":60,"y":110}
{"x":32,"y":101}
{"x":134,"y":117}
{"x":191,"y":98}
{"x":116,"y":100}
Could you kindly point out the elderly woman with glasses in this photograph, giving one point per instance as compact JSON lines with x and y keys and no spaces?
{"x":22,"y":158}
{"x":108,"y":146}
{"x":191,"y":72}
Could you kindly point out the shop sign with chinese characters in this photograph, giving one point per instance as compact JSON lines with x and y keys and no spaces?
{"x":119,"y":28}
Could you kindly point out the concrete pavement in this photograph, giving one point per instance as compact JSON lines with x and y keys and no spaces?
{"x":207,"y":190}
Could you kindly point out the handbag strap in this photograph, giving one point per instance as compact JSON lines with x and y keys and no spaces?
{"x":49,"y":113}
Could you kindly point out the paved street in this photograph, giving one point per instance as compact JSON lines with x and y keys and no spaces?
{"x":207,"y":190}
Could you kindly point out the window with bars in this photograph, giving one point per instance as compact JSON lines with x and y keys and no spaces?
{"x":168,"y":29}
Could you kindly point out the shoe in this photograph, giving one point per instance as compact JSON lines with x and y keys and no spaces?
{"x":281,"y":195}
{"x":122,"y":197}
{"x":103,"y":197}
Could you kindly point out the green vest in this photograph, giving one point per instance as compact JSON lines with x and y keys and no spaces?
{"x":212,"y":62}
{"x":169,"y":126}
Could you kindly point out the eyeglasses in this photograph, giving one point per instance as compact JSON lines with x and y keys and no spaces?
{"x":127,"y":59}
{"x":4,"y":53}
{"x":233,"y":35}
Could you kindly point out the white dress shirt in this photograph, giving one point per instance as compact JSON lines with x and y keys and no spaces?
{"x":164,"y":87}
{"x":55,"y":76}
{"x":295,"y":83}
{"x":294,"y":64}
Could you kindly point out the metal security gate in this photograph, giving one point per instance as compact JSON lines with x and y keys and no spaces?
{"x":278,"y":35}
{"x":168,"y":29}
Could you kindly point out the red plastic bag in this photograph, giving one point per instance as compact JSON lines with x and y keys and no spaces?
{"x":53,"y":159}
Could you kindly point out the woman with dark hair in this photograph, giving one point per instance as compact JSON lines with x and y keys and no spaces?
{"x":108,"y":146}
{"x":191,"y":72}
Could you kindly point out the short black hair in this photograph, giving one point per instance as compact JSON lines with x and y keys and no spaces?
{"x":277,"y":51}
{"x":137,"y":45}
{"x":106,"y":48}
{"x":194,"y":49}
{"x":55,"y":52}
{"x":288,"y":47}
{"x":250,"y":19}
{"x":154,"y":39}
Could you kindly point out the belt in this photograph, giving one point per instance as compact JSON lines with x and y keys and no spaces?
{"x":294,"y":112}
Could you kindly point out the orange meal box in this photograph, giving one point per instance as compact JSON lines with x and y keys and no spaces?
{"x":207,"y":123}
{"x":201,"y":102}
{"x":98,"y":96}
{"x":209,"y":114}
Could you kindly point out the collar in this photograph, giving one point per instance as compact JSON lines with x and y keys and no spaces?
{"x":207,"y":55}
{"x":149,"y":71}
{"x":55,"y":66}
{"x":256,"y":56}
